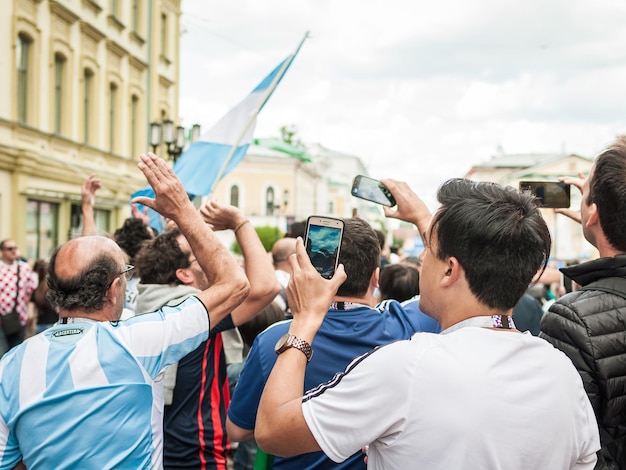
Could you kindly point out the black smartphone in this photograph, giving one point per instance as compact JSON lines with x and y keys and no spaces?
{"x":323,"y":242}
{"x":372,"y":190}
{"x":551,"y":194}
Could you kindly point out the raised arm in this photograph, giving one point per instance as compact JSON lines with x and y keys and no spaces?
{"x":258,"y":266}
{"x":410,"y":207}
{"x":88,"y":202}
{"x":228,"y":283}
{"x":573,"y":214}
{"x":280,"y":426}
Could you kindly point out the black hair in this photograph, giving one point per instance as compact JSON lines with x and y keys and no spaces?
{"x":360,"y":256}
{"x":399,"y":282}
{"x":607,"y":189}
{"x":496,"y":233}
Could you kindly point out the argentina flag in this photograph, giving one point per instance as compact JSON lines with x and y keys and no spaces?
{"x":218,"y":151}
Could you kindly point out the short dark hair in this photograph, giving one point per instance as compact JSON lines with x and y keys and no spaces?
{"x":497,"y":234}
{"x":360,"y":256}
{"x":269,"y":315}
{"x":381,"y":238}
{"x":131,"y":235}
{"x":159,"y":258}
{"x":607,"y":189}
{"x":87,"y":289}
{"x":399,"y":282}
{"x":296,"y":229}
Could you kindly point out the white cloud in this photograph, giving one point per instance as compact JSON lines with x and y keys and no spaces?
{"x":419,"y":90}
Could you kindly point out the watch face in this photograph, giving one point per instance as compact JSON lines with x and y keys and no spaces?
{"x":282,"y":341}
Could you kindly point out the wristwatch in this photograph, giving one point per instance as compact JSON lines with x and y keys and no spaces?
{"x":290,"y":341}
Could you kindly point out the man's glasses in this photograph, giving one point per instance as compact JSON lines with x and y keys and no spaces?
{"x":128,"y":273}
{"x":9,"y":248}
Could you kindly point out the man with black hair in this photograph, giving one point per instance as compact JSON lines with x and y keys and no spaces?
{"x":87,"y":392}
{"x":589,"y":324}
{"x":198,"y":386}
{"x":351,"y":327}
{"x":480,"y":394}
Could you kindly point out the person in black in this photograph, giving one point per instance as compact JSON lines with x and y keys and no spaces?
{"x":589,"y":325}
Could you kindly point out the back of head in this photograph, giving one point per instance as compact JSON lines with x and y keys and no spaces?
{"x":607,"y":189}
{"x":497,"y":234}
{"x":159,"y":258}
{"x":360,"y":256}
{"x":84,"y":291}
{"x":131,"y":235}
{"x":282,"y":249}
{"x":381,"y":238}
{"x":266,"y":317}
{"x":296,"y":229}
{"x":399,"y":282}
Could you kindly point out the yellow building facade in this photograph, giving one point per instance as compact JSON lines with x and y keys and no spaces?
{"x":80,"y":82}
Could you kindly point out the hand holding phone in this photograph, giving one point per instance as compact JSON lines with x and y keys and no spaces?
{"x":372,"y":190}
{"x":551,"y":194}
{"x":323,"y":242}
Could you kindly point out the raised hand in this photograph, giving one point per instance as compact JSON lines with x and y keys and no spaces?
{"x":309,"y":294}
{"x":221,"y":216}
{"x":170,"y":197}
{"x":410,"y":207}
{"x":88,"y":190}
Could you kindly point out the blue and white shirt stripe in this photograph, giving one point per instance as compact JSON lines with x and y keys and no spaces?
{"x":88,"y":394}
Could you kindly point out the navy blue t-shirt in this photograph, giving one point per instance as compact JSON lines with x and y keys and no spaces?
{"x":343,"y":336}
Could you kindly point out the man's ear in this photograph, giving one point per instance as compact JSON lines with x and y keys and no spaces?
{"x":593,"y":216}
{"x":184,"y":276}
{"x":375,"y":278}
{"x":453,"y":273}
{"x":111,"y":293}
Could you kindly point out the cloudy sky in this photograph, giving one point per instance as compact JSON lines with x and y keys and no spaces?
{"x":420,"y":90}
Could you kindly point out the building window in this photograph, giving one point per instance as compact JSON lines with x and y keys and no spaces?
{"x":134,"y":125}
{"x":102,"y":218}
{"x":112,"y":117}
{"x":87,"y":103}
{"x":59,"y":66}
{"x":163,"y":35}
{"x":23,"y":63}
{"x":269,"y":201}
{"x":234,"y":195}
{"x":42,"y":229}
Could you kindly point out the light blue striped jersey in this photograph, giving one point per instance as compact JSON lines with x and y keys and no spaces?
{"x":88,"y":394}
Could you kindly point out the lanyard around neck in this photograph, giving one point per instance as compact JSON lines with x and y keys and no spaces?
{"x":487,"y":321}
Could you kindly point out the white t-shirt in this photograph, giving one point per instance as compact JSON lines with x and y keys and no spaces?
{"x":474,"y":398}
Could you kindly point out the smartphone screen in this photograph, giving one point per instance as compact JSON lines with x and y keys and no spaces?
{"x":323,"y":242}
{"x":551,"y":194}
{"x":372,"y":190}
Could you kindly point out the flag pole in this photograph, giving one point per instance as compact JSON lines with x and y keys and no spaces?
{"x":269,"y":92}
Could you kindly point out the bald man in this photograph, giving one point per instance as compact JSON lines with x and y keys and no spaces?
{"x":86,"y":393}
{"x":281,"y":250}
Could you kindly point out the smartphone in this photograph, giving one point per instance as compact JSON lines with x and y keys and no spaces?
{"x":551,"y":194}
{"x":323,"y":242}
{"x":372,"y":190}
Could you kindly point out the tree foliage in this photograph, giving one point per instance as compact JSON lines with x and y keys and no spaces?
{"x":267,"y":234}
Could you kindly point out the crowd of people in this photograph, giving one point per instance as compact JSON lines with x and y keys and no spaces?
{"x":146,"y":350}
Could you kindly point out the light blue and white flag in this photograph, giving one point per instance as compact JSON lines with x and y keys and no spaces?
{"x":218,"y":151}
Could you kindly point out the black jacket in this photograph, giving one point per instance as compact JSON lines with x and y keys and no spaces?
{"x":589,"y":325}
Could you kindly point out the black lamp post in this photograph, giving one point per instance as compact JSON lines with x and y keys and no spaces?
{"x":174,"y":138}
